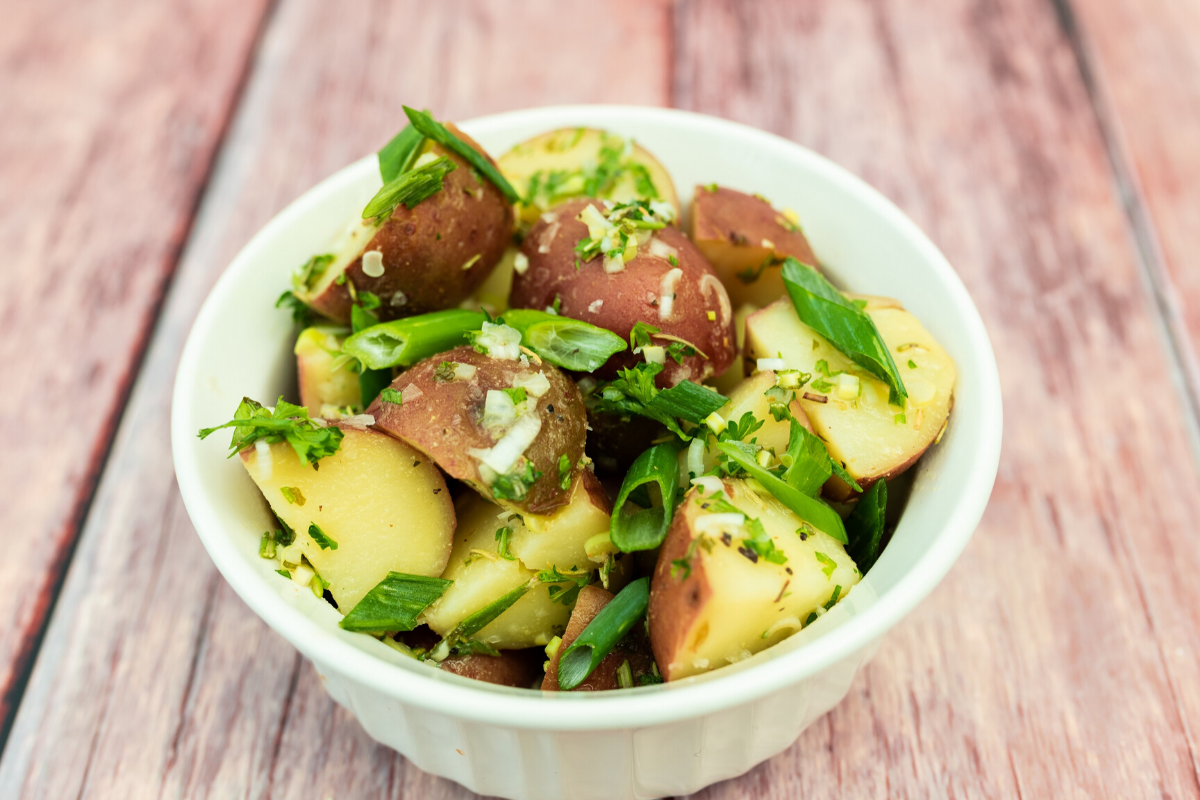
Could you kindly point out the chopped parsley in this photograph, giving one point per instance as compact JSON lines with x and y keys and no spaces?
{"x":253,"y":423}
{"x":517,"y":395}
{"x":308,"y":274}
{"x":302,"y":315}
{"x":390,"y":395}
{"x":828,"y":565}
{"x":323,"y":540}
{"x":564,"y":472}
{"x":515,"y":485}
{"x":502,"y":537}
{"x":444,"y":372}
{"x":634,"y":392}
{"x":559,"y":594}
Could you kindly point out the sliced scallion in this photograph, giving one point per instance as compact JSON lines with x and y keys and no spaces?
{"x":807,"y":508}
{"x":646,"y":528}
{"x":398,"y":155}
{"x":848,"y":328}
{"x":394,"y":604}
{"x":404,"y":342}
{"x":568,"y":343}
{"x":474,"y":623}
{"x":601,"y":635}
{"x":410,"y":188}
{"x":424,"y":122}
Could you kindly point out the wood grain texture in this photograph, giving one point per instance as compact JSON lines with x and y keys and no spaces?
{"x":1059,"y":657}
{"x":112,"y":114}
{"x":154,"y":679}
{"x":1142,"y":62}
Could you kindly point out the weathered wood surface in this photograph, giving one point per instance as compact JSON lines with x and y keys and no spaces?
{"x":1058,"y":659}
{"x":112,"y":115}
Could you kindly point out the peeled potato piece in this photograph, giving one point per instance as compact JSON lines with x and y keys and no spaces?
{"x":385,"y":505}
{"x":746,"y":241}
{"x":545,"y":541}
{"x":872,"y":438}
{"x":738,"y":368}
{"x":562,"y":161}
{"x":431,"y":256}
{"x":749,"y":397}
{"x":713,"y":602}
{"x":324,"y":384}
{"x":481,"y":575}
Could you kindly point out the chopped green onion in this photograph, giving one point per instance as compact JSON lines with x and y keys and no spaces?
{"x":390,"y":395}
{"x":424,"y":122}
{"x":394,"y":604}
{"x":266,"y":548}
{"x":410,"y":188}
{"x":688,"y":401}
{"x":864,"y":526}
{"x":322,"y":539}
{"x":292,"y":494}
{"x":807,"y":508}
{"x":568,"y":343}
{"x":828,"y":565}
{"x":602,"y":634}
{"x":398,"y":155}
{"x":625,"y":675}
{"x":645,"y":529}
{"x":370,"y":381}
{"x":848,"y":328}
{"x":404,"y":342}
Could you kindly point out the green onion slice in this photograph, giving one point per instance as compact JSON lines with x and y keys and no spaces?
{"x":811,"y":465}
{"x":645,"y":529}
{"x":602,"y":634}
{"x":865,"y":526}
{"x":568,"y":343}
{"x":424,"y":122}
{"x":410,"y":188}
{"x":847,"y":327}
{"x":474,"y":623}
{"x":404,"y":342}
{"x":398,"y":155}
{"x":394,"y":604}
{"x":810,"y":509}
{"x":688,"y":401}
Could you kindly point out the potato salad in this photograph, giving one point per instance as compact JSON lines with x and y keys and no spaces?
{"x":552,"y":432}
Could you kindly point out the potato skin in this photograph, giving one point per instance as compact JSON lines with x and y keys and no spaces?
{"x":629,"y":296}
{"x":591,"y":600}
{"x":676,"y":601}
{"x":444,"y":421}
{"x":519,"y":668}
{"x":425,"y":247}
{"x":737,"y":232}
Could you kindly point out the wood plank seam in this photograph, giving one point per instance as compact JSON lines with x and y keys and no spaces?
{"x":1152,"y":268}
{"x":1151,"y":260}
{"x":10,"y":699}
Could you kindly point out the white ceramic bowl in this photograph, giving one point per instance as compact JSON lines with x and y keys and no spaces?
{"x":645,"y":742}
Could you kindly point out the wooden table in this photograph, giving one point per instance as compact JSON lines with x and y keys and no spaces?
{"x":1050,"y":147}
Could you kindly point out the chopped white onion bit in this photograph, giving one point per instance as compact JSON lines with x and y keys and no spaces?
{"x":464,"y":372}
{"x":595,"y":306}
{"x":358,"y":421}
{"x":503,"y":456}
{"x":847,"y":386}
{"x":767,"y":243}
{"x":666,"y":293}
{"x":614,"y":264}
{"x":411,"y":393}
{"x":520,"y":263}
{"x":499,"y":410}
{"x":265,"y":464}
{"x":776,"y":364}
{"x":535,"y":385}
{"x":399,"y":299}
{"x":660,"y":249}
{"x":718,"y":523}
{"x":654,"y":354}
{"x":709,"y":483}
{"x":372,"y":264}
{"x":501,"y":341}
{"x":302,"y":575}
{"x":664,"y":211}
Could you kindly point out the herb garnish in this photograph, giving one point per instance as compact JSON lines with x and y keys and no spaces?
{"x":558,"y":594}
{"x":394,"y":604}
{"x":516,"y":484}
{"x":410,"y":188}
{"x":601,"y":635}
{"x":253,"y":423}
{"x":634,"y":392}
{"x":323,"y":540}
{"x":425,"y":124}
{"x":292,"y":494}
{"x":646,"y":528}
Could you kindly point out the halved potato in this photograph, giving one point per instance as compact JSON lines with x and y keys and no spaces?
{"x":326,"y":382}
{"x":746,"y":241}
{"x":668,"y":285}
{"x":726,"y":382}
{"x":872,"y":438}
{"x":714,"y":601}
{"x":569,"y":162}
{"x":481,"y":575}
{"x":633,"y":648}
{"x":385,"y":505}
{"x":445,"y":419}
{"x":750,"y":397}
{"x":556,"y":540}
{"x":432,"y":256}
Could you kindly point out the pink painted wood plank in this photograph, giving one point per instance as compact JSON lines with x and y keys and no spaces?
{"x":112,"y":114}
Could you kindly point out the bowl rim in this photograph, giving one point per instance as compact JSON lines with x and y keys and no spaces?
{"x":522,"y":708}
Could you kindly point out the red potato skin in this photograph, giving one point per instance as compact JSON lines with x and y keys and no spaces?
{"x":630,"y":296}
{"x":424,"y":247}
{"x":604,"y":678}
{"x":444,"y":421}
{"x":519,"y":668}
{"x":676,"y":601}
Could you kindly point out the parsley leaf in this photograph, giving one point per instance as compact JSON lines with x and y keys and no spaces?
{"x":253,"y":423}
{"x":559,"y":594}
{"x":390,"y":395}
{"x":515,"y":485}
{"x":502,"y":536}
{"x":323,"y":540}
